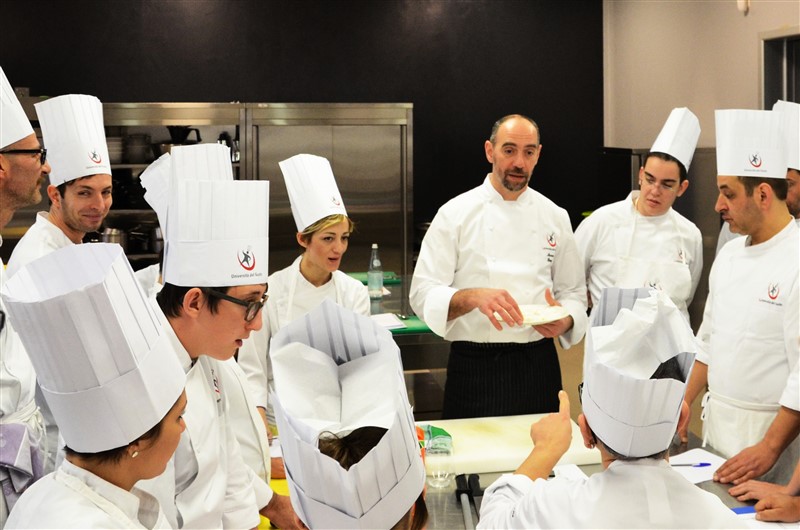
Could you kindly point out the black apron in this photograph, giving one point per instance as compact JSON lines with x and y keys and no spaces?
{"x":501,"y":379}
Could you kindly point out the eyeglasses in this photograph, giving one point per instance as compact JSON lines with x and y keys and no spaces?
{"x":580,"y":393}
{"x":252,"y":307}
{"x":2,"y":318}
{"x":42,"y":152}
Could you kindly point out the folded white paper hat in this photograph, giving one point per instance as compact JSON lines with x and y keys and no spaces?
{"x":72,"y":129}
{"x":337,"y":371}
{"x":790,"y":112}
{"x":104,"y":364}
{"x":633,"y":332}
{"x":14,"y":124}
{"x":217,"y":229}
{"x":679,"y":136}
{"x":155,"y":180}
{"x":312,"y":189}
{"x":750,"y":143}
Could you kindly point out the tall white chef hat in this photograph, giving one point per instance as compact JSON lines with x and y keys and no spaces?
{"x":104,"y":364}
{"x":217,"y":229}
{"x":790,"y":112}
{"x":14,"y":124}
{"x":679,"y":136}
{"x":337,"y":371}
{"x":750,"y":143}
{"x":312,"y":189}
{"x":72,"y":128}
{"x":155,"y":180}
{"x":633,"y":332}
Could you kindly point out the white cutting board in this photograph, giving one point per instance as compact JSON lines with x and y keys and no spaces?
{"x":499,"y":444}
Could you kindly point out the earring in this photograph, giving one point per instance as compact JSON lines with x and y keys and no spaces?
{"x":135,"y":454}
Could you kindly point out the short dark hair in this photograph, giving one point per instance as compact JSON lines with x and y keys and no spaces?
{"x":667,"y":158}
{"x":170,"y":299}
{"x":669,"y":369}
{"x":780,"y":186}
{"x":113,"y":456}
{"x":349,"y":450}
{"x":501,"y":121}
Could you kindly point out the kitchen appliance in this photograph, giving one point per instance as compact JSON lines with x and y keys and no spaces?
{"x":115,"y":235}
{"x":137,"y":149}
{"x":179,"y":135}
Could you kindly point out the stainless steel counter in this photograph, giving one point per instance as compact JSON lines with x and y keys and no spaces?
{"x":445,"y":511}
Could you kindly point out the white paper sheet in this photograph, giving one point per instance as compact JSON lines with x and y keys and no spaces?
{"x":695,"y":475}
{"x":388,"y":321}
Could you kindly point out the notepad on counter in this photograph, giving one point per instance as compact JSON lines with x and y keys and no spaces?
{"x":697,"y":474}
{"x":388,"y":321}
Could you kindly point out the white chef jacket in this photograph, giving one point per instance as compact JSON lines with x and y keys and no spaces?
{"x":42,"y":238}
{"x":17,"y":390}
{"x":477,"y":239}
{"x":207,"y":485}
{"x":791,"y":394}
{"x":292,"y":296}
{"x":644,"y":493}
{"x":73,"y":497}
{"x":608,"y":234}
{"x":249,"y":428}
{"x":749,"y":338}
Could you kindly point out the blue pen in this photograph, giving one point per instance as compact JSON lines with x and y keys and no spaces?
{"x":699,"y":464}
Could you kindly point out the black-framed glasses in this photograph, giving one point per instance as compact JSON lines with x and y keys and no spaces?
{"x":580,"y":392}
{"x":252,"y":308}
{"x":42,"y":152}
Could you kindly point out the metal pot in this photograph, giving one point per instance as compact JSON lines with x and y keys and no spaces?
{"x":115,"y":235}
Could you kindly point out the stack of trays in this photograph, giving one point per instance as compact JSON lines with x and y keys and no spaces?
{"x":115,"y":149}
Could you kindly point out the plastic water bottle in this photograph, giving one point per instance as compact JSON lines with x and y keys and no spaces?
{"x":375,"y":274}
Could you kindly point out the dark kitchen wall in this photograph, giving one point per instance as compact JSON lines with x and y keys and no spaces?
{"x":462,"y":64}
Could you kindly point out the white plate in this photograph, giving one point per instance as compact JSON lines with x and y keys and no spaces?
{"x":534,"y":314}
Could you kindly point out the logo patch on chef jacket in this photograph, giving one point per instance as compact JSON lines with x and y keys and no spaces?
{"x":551,"y":239}
{"x":773,"y":291}
{"x":95,"y":157}
{"x":755,"y":160}
{"x":246,"y":259}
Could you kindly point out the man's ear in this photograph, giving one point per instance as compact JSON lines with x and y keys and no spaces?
{"x":489,"y":148}
{"x":53,"y":195}
{"x":193,"y":302}
{"x":589,"y":440}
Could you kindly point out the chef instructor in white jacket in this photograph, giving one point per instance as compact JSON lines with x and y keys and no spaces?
{"x":641,"y":241}
{"x":488,"y":250}
{"x":23,"y":170}
{"x":749,"y":334}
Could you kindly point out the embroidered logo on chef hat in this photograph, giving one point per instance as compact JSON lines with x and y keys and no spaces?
{"x":634,"y":333}
{"x":750,"y":143}
{"x":247,"y":259}
{"x":312,"y":189}
{"x":215,"y":226}
{"x":14,"y":124}
{"x":336,"y":371}
{"x":104,"y":345}
{"x":72,"y":128}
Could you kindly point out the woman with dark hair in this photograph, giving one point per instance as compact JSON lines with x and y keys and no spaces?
{"x":113,"y":383}
{"x":350,"y":449}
